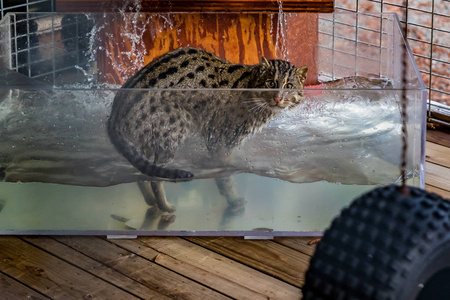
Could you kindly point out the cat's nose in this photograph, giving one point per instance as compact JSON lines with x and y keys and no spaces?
{"x":277,"y":100}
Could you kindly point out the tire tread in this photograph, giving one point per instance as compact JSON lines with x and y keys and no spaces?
{"x":372,"y":245}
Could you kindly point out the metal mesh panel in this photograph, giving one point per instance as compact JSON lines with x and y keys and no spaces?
{"x":23,"y":31}
{"x":426,"y":22}
{"x":360,"y":46}
{"x":45,"y":46}
{"x":25,"y":6}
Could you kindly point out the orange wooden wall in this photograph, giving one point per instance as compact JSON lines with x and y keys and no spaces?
{"x":239,"y":37}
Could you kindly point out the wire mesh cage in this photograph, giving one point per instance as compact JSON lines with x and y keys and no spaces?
{"x":43,"y":45}
{"x":429,"y":38}
{"x":24,"y":32}
{"x":25,"y":6}
{"x":355,"y":42}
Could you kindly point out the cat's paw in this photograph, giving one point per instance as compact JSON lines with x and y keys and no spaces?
{"x":236,"y":204}
{"x":167,"y":218}
{"x":167,"y":207}
{"x":165,"y":221}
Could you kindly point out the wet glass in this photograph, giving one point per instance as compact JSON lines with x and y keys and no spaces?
{"x":61,"y":174}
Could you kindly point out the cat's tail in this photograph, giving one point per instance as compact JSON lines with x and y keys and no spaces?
{"x":140,"y":161}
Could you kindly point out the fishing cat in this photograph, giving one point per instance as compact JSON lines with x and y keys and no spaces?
{"x":146,"y":127}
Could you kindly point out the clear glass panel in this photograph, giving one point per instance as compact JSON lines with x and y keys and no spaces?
{"x":62,"y":174}
{"x":428,"y":36}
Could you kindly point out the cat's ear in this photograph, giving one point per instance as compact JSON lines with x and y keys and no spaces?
{"x":301,"y":72}
{"x":265,"y":62}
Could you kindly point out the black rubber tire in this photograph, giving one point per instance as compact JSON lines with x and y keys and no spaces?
{"x":384,"y":246}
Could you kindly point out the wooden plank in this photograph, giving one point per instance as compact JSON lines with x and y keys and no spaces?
{"x":50,"y":275}
{"x":266,"y":256}
{"x":141,"y":269}
{"x":298,"y":243}
{"x":441,"y":137}
{"x":11,"y":290}
{"x":323,"y":6}
{"x":214,"y":270}
{"x":437,"y":176}
{"x":437,"y":154}
{"x":436,"y":190}
{"x":94,"y":267}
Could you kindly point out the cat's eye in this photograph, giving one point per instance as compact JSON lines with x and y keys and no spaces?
{"x":289,"y":85}
{"x":271,"y":84}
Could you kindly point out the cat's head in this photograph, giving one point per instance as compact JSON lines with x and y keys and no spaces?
{"x":284,"y":77}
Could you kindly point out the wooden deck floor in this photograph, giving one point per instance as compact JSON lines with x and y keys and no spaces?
{"x":67,"y":267}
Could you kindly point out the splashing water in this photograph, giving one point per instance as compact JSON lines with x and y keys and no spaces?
{"x":134,"y":28}
{"x":337,"y":136}
{"x":92,"y":48}
{"x":280,"y":42}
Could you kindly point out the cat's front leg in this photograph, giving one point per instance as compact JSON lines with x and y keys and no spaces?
{"x":155,"y":195}
{"x":227,"y":188}
{"x":160,"y":196}
{"x":152,"y":215}
{"x":147,"y":193}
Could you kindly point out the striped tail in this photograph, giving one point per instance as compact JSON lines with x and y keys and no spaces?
{"x":139,"y":161}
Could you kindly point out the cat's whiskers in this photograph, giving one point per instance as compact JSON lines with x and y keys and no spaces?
{"x":254,"y":100}
{"x":259,"y":106}
{"x":264,"y":106}
{"x":254,"y":108}
{"x":255,"y":104}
